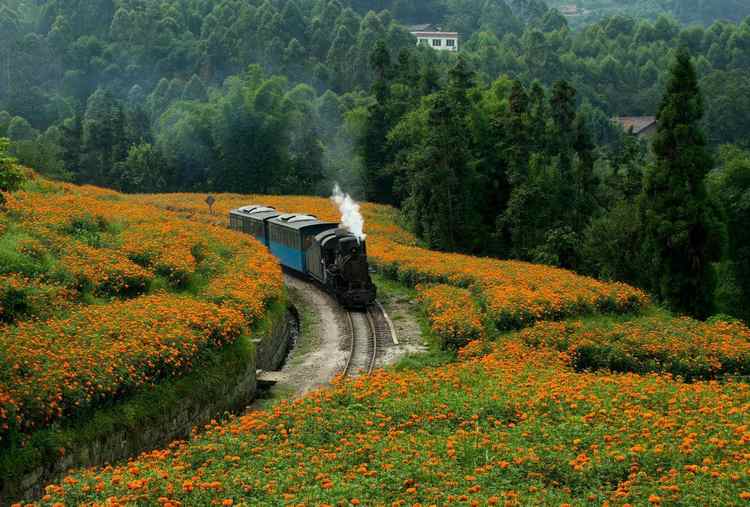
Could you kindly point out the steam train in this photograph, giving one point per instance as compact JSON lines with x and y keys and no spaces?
{"x":323,"y":251}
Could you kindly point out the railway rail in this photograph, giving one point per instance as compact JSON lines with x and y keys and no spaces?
{"x":369,"y":330}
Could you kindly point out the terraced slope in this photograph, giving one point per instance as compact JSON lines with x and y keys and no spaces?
{"x":101,"y":297}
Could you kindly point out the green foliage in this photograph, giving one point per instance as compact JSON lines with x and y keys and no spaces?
{"x":20,"y":130}
{"x":11,"y":176}
{"x":142,"y":170}
{"x":45,"y":153}
{"x":681,"y":232}
{"x":612,"y":245}
{"x":441,"y":181}
{"x":688,"y":12}
{"x":731,"y":188}
{"x":14,"y":258}
{"x":658,"y":342}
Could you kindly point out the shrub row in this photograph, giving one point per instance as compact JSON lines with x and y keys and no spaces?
{"x":680,"y":346}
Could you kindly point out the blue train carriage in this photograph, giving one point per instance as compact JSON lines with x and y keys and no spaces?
{"x":253,"y":219}
{"x":291,"y":235}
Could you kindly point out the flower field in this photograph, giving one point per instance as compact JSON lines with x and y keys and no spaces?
{"x":64,"y":365}
{"x":512,"y":294}
{"x":680,"y":346}
{"x":100,"y":296}
{"x":576,"y":412}
{"x":453,"y":314}
{"x":516,"y":426}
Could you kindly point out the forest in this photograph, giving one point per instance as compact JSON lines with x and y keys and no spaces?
{"x":284,"y":96}
{"x":686,"y":11}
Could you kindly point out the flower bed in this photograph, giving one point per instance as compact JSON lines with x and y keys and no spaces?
{"x":57,"y":368}
{"x":191,"y":286}
{"x":680,"y":346}
{"x":514,"y":427}
{"x":453,"y":314}
{"x":104,"y":271}
{"x":21,"y":297}
{"x":515,"y":293}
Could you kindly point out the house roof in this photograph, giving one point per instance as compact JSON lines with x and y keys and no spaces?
{"x":436,"y":34}
{"x":568,"y":9}
{"x":420,"y":28}
{"x":637,"y":123}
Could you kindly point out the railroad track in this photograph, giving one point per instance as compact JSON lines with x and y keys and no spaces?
{"x":369,"y":330}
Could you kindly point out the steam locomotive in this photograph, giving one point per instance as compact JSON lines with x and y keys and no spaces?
{"x":323,"y":251}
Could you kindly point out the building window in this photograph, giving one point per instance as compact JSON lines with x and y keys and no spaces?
{"x":451,"y":43}
{"x":423,"y":42}
{"x":437,"y":43}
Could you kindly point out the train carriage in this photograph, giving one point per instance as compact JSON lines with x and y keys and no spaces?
{"x":290,"y":235}
{"x":253,"y":219}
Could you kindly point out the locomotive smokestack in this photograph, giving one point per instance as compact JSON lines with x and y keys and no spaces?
{"x":351,"y":218}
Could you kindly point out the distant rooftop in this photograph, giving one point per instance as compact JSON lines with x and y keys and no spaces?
{"x":639,"y":124}
{"x":568,"y":10}
{"x":426,"y":27}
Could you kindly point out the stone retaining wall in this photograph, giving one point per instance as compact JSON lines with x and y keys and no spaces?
{"x":272,"y":349}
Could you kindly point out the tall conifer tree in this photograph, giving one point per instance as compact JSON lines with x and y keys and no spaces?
{"x":680,"y":230}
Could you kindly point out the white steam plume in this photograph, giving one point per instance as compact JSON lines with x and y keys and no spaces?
{"x":351,"y":218}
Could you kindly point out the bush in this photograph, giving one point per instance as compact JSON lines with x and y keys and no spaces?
{"x":11,"y":176}
{"x":680,"y":346}
{"x":453,"y":313}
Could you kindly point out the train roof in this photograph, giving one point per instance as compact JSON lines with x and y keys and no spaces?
{"x":325,"y":236}
{"x":255,"y":208}
{"x":256,"y":211}
{"x":299,"y":221}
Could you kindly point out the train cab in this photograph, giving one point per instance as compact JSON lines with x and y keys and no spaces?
{"x":338,"y":260}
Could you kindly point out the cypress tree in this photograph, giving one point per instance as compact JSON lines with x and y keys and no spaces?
{"x":680,"y":230}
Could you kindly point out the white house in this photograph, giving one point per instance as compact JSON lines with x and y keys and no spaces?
{"x":428,"y":36}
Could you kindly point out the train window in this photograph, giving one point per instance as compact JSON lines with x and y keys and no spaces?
{"x":308,"y":242}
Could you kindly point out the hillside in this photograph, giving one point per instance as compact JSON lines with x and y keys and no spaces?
{"x":556,"y":218}
{"x":688,"y":12}
{"x":102,"y":299}
{"x":593,"y":409}
{"x":512,"y":426}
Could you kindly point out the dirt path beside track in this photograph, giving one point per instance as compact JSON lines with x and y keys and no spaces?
{"x":322,"y":346}
{"x":320,"y":352}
